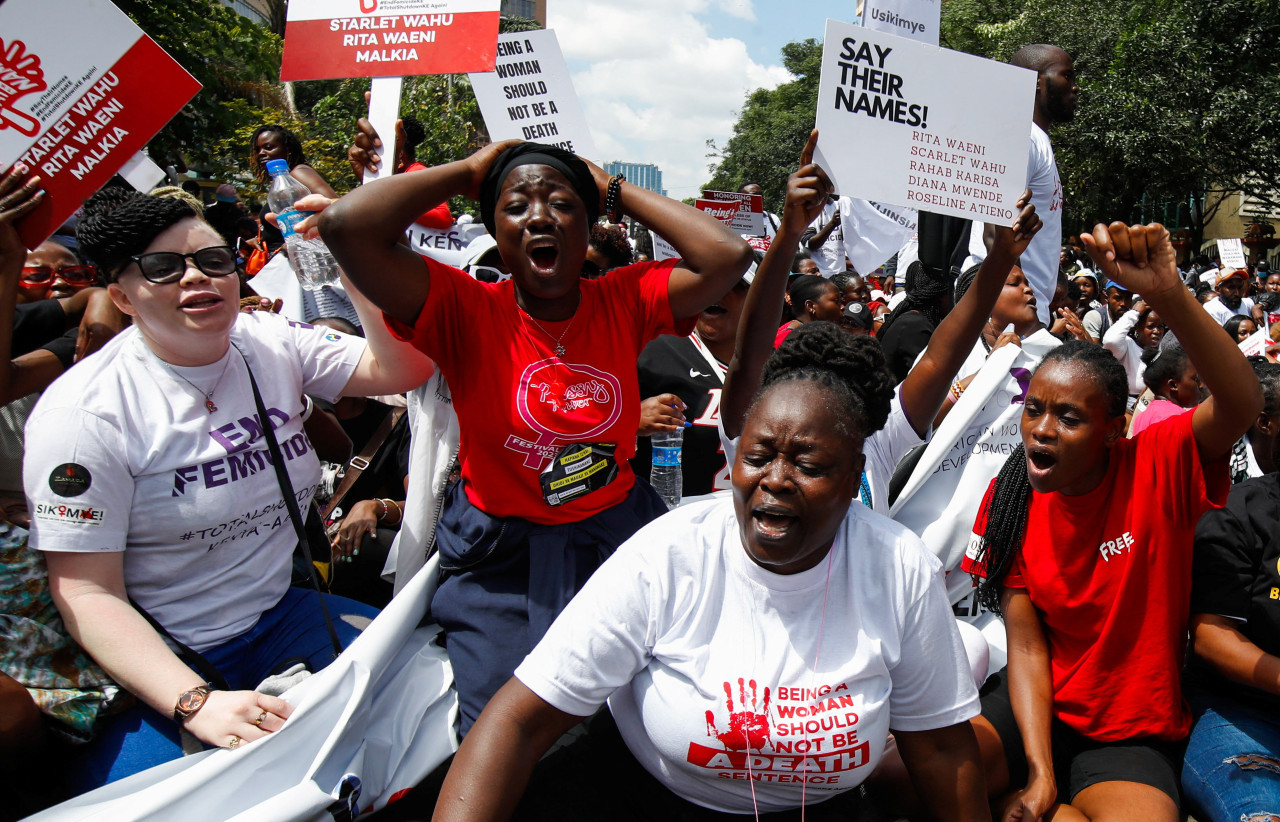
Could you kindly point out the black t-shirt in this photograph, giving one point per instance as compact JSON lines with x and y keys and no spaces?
{"x":1236,"y":574}
{"x":907,"y":337}
{"x":35,"y":324}
{"x":674,"y":365}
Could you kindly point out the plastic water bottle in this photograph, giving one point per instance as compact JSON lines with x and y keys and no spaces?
{"x":664,"y":469}
{"x":310,"y":259}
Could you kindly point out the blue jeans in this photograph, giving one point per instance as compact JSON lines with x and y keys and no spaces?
{"x":291,"y":631}
{"x":1232,"y":766}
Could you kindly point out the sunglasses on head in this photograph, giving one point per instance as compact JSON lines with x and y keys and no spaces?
{"x":35,"y":276}
{"x":168,"y":266}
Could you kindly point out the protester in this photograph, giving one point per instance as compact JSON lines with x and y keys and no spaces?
{"x":1085,"y":544}
{"x":1239,"y":327}
{"x":554,"y":377}
{"x":275,"y":142}
{"x":53,"y":271}
{"x":1230,"y":771}
{"x":1230,"y":287}
{"x":906,"y":332}
{"x":1173,"y":381}
{"x":824,"y":240}
{"x":812,"y":298}
{"x":785,"y":595}
{"x":608,"y":249}
{"x":160,"y":460}
{"x":1253,"y":454}
{"x":1137,"y":330}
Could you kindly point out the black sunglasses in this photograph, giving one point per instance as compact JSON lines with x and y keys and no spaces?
{"x":168,"y":266}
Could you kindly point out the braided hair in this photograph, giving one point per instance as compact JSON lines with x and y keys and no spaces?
{"x":292,"y":147}
{"x":852,"y":366}
{"x":1010,"y":498}
{"x":117,"y":224}
{"x":1268,"y":374}
{"x":927,"y":290}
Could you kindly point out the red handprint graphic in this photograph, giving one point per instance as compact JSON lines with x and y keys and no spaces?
{"x":20,"y":75}
{"x":747,"y":729}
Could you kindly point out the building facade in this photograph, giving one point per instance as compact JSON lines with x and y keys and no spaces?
{"x":645,"y":175}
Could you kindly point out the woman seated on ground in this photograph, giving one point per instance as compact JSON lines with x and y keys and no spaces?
{"x":1085,"y":540}
{"x":1174,"y":383}
{"x":1230,"y":771}
{"x":542,"y":371}
{"x":754,"y":652}
{"x":157,"y":442}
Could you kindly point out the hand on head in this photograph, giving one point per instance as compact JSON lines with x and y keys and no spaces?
{"x":480,"y":163}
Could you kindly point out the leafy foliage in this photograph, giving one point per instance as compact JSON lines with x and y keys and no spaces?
{"x":771,"y":129}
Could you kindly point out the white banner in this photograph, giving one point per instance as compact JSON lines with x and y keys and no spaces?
{"x":663,"y":250}
{"x":941,"y":499}
{"x":873,"y":232}
{"x":914,"y":125}
{"x":530,"y":96}
{"x":914,"y":19}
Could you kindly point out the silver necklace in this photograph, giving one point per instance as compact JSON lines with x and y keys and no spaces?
{"x":208,"y":395}
{"x":559,"y":349}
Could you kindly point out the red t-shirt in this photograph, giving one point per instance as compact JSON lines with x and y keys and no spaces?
{"x":782,"y":334}
{"x":1110,"y":574}
{"x":518,"y":404}
{"x":439,"y":217}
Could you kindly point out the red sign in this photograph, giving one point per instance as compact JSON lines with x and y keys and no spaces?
{"x":76,"y":103}
{"x":722,"y":211}
{"x":327,"y":39}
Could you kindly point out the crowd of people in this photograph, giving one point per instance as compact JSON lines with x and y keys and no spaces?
{"x":208,"y":465}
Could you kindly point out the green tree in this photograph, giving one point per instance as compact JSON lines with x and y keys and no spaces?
{"x":771,"y":129}
{"x":236,"y":61}
{"x":1176,"y":99}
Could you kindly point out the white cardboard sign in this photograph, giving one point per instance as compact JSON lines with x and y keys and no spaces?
{"x":909,"y":124}
{"x":530,"y":96}
{"x":1232,"y":253}
{"x":663,"y":250}
{"x":916,"y":19}
{"x":1256,"y":343}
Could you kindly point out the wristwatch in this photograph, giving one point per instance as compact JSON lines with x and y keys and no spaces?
{"x":191,"y":701}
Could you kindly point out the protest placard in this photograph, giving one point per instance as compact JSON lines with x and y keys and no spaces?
{"x":1255,"y":345}
{"x":530,"y":96}
{"x":663,"y":250}
{"x":909,"y":124}
{"x":1232,"y":253}
{"x":747,"y":219}
{"x":326,"y":39}
{"x":914,"y":19}
{"x":79,"y":101}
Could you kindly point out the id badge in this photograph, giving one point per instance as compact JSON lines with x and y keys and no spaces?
{"x":577,"y":470}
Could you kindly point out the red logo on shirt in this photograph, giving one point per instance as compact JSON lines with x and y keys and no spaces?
{"x":564,"y":402}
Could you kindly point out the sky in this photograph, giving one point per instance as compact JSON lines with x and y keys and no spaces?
{"x":657,"y":78}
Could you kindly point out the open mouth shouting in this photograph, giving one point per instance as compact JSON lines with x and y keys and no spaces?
{"x":773,"y":522}
{"x":1041,"y":461}
{"x":543,"y":256}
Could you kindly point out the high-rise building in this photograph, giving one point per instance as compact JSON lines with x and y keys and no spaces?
{"x":528,"y":9}
{"x":255,"y":10}
{"x":645,"y":175}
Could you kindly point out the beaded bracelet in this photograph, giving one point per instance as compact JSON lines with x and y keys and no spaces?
{"x":613,"y":198}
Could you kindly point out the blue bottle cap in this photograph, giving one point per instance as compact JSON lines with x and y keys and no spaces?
{"x":275,"y":167}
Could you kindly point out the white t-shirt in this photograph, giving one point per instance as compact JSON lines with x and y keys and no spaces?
{"x":884,"y":450}
{"x":1126,"y":350}
{"x":830,"y":255}
{"x":1040,"y":260}
{"x":1221,"y":313}
{"x":695,"y":646}
{"x":122,"y":455}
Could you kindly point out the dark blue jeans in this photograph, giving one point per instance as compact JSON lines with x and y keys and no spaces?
{"x":293,"y":629}
{"x":1232,"y":766}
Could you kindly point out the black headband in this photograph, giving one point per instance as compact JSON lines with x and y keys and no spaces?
{"x":565,"y":162}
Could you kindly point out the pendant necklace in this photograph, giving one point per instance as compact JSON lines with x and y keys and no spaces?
{"x":559,"y":346}
{"x":208,"y":395}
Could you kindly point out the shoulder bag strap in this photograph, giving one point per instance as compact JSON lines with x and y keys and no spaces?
{"x":203,"y":666}
{"x":291,"y":501}
{"x":360,"y":462}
